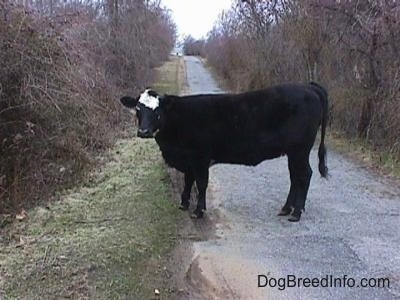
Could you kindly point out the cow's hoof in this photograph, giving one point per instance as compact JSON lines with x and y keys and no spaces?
{"x":183,"y":207}
{"x":295,"y":217}
{"x":197,"y":214}
{"x":285,"y":212}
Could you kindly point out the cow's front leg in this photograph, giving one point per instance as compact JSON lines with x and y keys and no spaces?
{"x":185,"y":197}
{"x":291,"y":199}
{"x":201,"y":177}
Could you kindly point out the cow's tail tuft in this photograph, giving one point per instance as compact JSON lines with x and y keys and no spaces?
{"x":322,"y":166}
{"x":323,"y":95}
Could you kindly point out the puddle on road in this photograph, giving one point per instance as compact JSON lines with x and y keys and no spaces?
{"x":221,"y":274}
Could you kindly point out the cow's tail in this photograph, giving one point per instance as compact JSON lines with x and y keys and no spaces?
{"x":323,"y":95}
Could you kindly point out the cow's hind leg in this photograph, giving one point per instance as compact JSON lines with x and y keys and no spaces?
{"x":185,"y":196}
{"x":287,"y":208}
{"x":301,"y":172}
{"x":201,"y":177}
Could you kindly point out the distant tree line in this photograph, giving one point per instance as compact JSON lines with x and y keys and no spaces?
{"x":63,"y":66}
{"x":351,"y":47}
{"x":194,"y":47}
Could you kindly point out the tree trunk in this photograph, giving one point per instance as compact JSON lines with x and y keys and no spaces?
{"x":365,"y":118}
{"x":368,"y":105}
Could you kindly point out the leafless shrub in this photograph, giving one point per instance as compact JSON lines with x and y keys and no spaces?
{"x":62,"y":70}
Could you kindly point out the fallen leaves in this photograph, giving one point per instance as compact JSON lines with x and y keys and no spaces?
{"x":21,"y":215}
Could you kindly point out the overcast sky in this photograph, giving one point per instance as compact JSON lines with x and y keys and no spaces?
{"x":196,"y":17}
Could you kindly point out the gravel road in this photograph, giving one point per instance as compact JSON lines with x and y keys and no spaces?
{"x":350,"y":228}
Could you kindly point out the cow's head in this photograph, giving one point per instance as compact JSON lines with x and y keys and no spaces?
{"x":149,"y":112}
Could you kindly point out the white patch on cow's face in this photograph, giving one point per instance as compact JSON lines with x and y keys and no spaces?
{"x":149,"y":101}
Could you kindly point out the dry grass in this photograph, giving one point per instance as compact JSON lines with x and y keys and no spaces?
{"x":382,"y":161}
{"x":99,"y":241}
{"x":174,"y":68}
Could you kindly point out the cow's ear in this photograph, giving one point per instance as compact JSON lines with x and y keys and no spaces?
{"x":167,"y":101}
{"x":129,"y":101}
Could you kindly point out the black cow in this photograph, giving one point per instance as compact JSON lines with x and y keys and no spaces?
{"x":195,"y":132}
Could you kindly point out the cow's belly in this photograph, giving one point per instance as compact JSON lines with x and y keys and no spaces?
{"x":250,"y":158}
{"x":250,"y":154}
{"x":248,"y":151}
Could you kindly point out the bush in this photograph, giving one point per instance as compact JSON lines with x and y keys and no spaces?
{"x":60,"y":80}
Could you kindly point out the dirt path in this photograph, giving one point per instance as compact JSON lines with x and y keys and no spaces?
{"x":350,"y":228}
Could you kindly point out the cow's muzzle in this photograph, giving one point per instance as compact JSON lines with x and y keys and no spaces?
{"x":144,"y":133}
